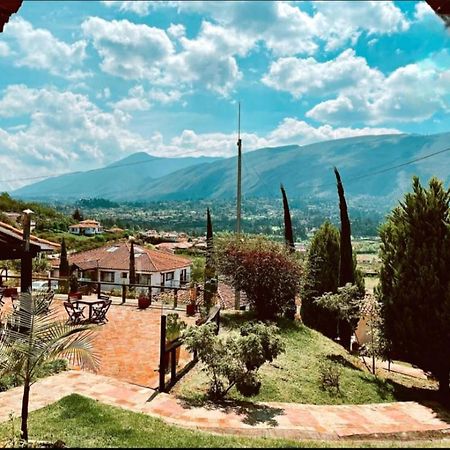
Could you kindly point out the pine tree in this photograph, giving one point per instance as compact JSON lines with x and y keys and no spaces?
{"x":63,"y":264}
{"x":321,"y":276}
{"x":77,"y":215}
{"x":346,"y":261}
{"x":414,"y":289}
{"x":210,"y":269}
{"x":132,"y":268}
{"x":288,"y":233}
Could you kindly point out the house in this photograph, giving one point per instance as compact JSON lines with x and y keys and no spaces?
{"x":16,"y":218}
{"x":87,"y":228}
{"x":110,"y":265}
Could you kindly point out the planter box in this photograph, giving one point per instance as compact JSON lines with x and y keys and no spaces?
{"x":75,"y":295}
{"x":190,"y":309}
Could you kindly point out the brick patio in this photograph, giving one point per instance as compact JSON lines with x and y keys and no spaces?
{"x":128,"y":344}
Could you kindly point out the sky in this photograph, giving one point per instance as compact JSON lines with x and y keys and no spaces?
{"x":86,"y":83}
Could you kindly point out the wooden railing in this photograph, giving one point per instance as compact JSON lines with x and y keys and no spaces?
{"x":166,"y":350}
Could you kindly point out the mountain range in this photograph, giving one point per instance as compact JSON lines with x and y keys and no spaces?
{"x":372,"y":168}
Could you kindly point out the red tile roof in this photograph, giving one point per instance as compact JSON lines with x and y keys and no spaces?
{"x":117,"y":257}
{"x":18,"y":234}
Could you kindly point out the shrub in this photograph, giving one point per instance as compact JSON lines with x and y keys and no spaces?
{"x":330,"y":376}
{"x":266,"y":271}
{"x":234,"y":361}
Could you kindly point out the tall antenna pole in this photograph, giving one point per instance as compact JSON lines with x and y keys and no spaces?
{"x":237,"y":293}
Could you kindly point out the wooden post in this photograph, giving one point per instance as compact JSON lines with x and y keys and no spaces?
{"x":175,"y":298}
{"x":124,"y":293}
{"x":99,"y":289}
{"x":162,"y":353}
{"x":173,"y":366}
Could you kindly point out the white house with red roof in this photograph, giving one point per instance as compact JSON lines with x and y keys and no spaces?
{"x":86,"y":227}
{"x":110,"y":264}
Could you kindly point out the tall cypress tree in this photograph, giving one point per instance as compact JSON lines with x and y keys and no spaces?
{"x":288,"y":232}
{"x":132,"y":268}
{"x":346,"y":267}
{"x":63,"y":264}
{"x":210,"y":269}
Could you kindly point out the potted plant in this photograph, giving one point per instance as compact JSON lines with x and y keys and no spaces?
{"x":144,"y":300}
{"x":174,"y":327}
{"x":73,"y":287}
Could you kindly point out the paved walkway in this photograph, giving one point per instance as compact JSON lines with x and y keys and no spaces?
{"x":285,"y":420}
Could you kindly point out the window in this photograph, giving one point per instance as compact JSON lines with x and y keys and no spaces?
{"x":124,"y":274}
{"x":107,"y":277}
{"x":170,"y":276}
{"x":183,"y":276}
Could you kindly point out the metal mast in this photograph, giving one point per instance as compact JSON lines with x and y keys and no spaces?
{"x":237,"y":294}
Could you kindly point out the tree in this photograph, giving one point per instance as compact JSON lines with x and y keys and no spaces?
{"x":24,"y":350}
{"x":210,"y":269}
{"x":288,"y":232}
{"x":132,"y":266}
{"x":63,"y":263}
{"x":414,"y":289}
{"x":267,"y":272}
{"x":346,"y":262}
{"x":77,"y":215}
{"x":321,"y":276}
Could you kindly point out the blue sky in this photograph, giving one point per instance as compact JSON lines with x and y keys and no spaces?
{"x":85,"y":83}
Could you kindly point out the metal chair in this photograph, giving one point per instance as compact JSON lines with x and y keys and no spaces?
{"x":75,"y":313}
{"x":99,"y":312}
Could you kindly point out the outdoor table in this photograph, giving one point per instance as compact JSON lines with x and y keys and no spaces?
{"x":90,"y":303}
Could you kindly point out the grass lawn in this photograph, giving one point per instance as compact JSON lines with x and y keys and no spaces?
{"x":85,"y":423}
{"x":295,"y":375}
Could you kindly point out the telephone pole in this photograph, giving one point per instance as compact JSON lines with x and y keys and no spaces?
{"x":237,"y":294}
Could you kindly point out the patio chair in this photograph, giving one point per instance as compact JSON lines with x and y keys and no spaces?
{"x":99,"y":311}
{"x":75,"y":313}
{"x":47,"y":301}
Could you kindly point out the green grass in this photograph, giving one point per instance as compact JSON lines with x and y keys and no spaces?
{"x":85,"y":423}
{"x":295,"y":375}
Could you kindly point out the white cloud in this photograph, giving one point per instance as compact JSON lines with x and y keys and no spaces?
{"x":409,"y":94}
{"x":37,"y":48}
{"x":289,"y":131}
{"x":288,"y":30}
{"x":139,"y":7}
{"x":129,"y":50}
{"x":423,"y":11}
{"x":176,"y":30}
{"x":4,"y":49}
{"x":308,"y":76}
{"x":344,"y":21}
{"x":64,"y":131}
{"x":140,"y":52}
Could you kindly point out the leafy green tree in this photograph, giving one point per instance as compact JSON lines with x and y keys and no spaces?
{"x":266,"y":271}
{"x":321,"y":276}
{"x":414,"y":288}
{"x":34,"y":336}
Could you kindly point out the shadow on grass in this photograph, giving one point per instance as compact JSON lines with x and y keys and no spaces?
{"x":342,"y":361}
{"x":253,"y":413}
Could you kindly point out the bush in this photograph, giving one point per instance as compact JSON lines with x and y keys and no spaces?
{"x":330,"y":376}
{"x":234,"y":361}
{"x":266,"y":271}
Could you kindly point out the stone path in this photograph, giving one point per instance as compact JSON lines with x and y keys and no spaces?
{"x":285,"y":420}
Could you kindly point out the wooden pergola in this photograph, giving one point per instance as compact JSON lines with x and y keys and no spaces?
{"x":15,"y":244}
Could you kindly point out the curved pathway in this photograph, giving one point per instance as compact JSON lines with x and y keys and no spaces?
{"x":287,"y":420}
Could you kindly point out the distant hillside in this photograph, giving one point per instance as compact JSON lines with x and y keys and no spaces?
{"x":129,"y":175}
{"x":305,"y":171}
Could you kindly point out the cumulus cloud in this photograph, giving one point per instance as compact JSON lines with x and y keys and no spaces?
{"x":37,"y":48}
{"x":411,"y":93}
{"x":140,"y":52}
{"x":4,"y":49}
{"x":64,"y":131}
{"x":308,"y":76}
{"x":139,"y":7}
